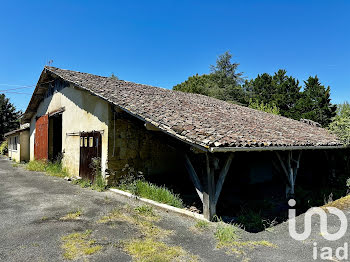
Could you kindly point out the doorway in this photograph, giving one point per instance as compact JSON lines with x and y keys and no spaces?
{"x":55,"y":137}
{"x":90,"y":149}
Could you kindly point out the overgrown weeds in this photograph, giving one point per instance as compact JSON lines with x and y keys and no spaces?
{"x":202,"y":225}
{"x":148,"y":190}
{"x":228,"y":237}
{"x":135,"y":183}
{"x":77,"y":245}
{"x":226,"y":233}
{"x":99,"y":183}
{"x":51,"y":168}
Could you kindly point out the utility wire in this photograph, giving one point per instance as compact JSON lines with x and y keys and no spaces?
{"x":13,"y":92}
{"x":17,"y":85}
{"x":10,"y":89}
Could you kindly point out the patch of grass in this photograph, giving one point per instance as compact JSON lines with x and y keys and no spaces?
{"x":98,"y":184}
{"x":226,"y":234}
{"x":44,"y":218}
{"x":15,"y":164}
{"x":50,"y":168}
{"x":145,"y":211}
{"x":36,"y":165}
{"x":342,"y":203}
{"x":227,"y":237}
{"x":149,"y":250}
{"x":77,"y":245}
{"x":148,"y":190}
{"x":114,"y":215}
{"x":201,"y":224}
{"x":143,"y":222}
{"x":82,"y":182}
{"x":72,"y":215}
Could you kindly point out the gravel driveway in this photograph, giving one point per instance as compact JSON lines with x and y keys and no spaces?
{"x":32,"y":225}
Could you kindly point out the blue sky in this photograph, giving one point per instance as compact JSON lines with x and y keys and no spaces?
{"x":161,"y":43}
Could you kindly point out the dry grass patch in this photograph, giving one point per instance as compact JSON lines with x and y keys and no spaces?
{"x":140,"y":217}
{"x":72,"y":216}
{"x":77,"y":245}
{"x":149,"y":250}
{"x":342,"y":203}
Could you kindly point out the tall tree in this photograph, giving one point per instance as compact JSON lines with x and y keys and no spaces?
{"x":287,"y":94}
{"x":341,"y":123}
{"x":315,"y":103}
{"x":8,"y":116}
{"x":279,"y":90}
{"x":223,"y":82}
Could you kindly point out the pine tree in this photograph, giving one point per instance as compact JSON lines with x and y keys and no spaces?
{"x":8,"y":116}
{"x":315,"y":103}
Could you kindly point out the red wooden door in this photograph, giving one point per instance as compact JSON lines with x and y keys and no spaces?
{"x":41,"y":144}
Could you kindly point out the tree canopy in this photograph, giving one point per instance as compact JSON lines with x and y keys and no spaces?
{"x":8,"y":116}
{"x":223,"y":81}
{"x":341,"y":123}
{"x":275,"y":93}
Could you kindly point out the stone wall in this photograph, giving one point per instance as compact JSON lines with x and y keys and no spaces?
{"x":149,"y":152}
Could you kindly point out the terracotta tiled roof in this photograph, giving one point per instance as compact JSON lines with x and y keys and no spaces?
{"x":199,"y":119}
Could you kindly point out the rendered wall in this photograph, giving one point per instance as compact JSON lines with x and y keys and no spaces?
{"x":83,"y":113}
{"x":24,"y":145}
{"x":14,"y":154}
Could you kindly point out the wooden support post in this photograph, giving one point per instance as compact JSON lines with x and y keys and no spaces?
{"x":222,"y":177}
{"x":290,"y":169}
{"x":193,"y":175}
{"x":209,"y":205}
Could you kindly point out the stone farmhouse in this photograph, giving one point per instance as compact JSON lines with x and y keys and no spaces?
{"x":163,"y":133}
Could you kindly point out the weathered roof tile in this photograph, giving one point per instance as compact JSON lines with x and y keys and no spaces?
{"x":200,"y":119}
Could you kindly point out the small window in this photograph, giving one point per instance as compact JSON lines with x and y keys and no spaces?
{"x":81,"y":142}
{"x":85,"y":141}
{"x":91,"y":141}
{"x":13,"y":143}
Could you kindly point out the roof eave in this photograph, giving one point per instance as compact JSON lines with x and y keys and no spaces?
{"x":13,"y":132}
{"x":273,"y":148}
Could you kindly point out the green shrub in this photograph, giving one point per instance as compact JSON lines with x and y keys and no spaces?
{"x":3,"y":148}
